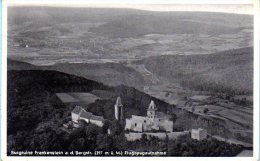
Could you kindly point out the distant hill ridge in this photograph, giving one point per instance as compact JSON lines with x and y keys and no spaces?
{"x":125,"y":23}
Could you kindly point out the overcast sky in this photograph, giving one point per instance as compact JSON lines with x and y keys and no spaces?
{"x":228,"y":6}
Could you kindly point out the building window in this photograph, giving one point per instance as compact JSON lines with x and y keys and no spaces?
{"x":144,"y":121}
{"x":135,"y":124}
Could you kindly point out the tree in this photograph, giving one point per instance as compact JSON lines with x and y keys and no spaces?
{"x":120,"y":142}
{"x":77,"y":144}
{"x":116,"y":127}
{"x":205,"y":110}
{"x":144,"y":138}
{"x":10,"y":143}
{"x":104,"y":142}
{"x":193,"y":109}
{"x":105,"y":126}
{"x":91,"y":132}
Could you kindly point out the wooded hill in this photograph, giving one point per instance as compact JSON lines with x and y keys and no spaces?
{"x":228,"y":72}
{"x":31,"y":104}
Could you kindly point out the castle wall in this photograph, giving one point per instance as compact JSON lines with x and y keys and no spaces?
{"x":138,"y":118}
{"x":166,"y":125}
{"x":128,"y":124}
{"x":74,"y":117}
{"x":148,"y":124}
{"x":175,"y":135}
{"x":86,"y":120}
{"x":138,"y":127}
{"x":96,"y":122}
{"x":198,"y":134}
{"x":132,"y":136}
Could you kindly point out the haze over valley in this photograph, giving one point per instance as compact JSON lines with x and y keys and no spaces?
{"x":196,"y":62}
{"x":58,"y":35}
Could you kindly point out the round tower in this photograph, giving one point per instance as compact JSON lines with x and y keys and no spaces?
{"x":118,"y":109}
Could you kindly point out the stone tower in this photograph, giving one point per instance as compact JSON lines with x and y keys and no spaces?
{"x":118,"y":109}
{"x":151,"y":111}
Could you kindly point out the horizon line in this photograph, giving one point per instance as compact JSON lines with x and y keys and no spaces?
{"x":247,"y":9}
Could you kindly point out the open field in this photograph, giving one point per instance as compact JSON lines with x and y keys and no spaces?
{"x":77,"y":97}
{"x":60,"y":38}
{"x":245,"y":153}
{"x":238,"y":119}
{"x":124,"y":49}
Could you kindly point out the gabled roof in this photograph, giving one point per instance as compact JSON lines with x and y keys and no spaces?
{"x":98,"y":118}
{"x":86,"y":115}
{"x":78,"y":110}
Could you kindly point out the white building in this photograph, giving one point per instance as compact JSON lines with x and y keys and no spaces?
{"x":198,"y":134}
{"x":78,"y":113}
{"x":149,"y":123}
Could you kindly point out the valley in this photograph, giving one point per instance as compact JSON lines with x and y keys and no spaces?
{"x":60,"y":38}
{"x":225,"y":107}
{"x":197,"y":67}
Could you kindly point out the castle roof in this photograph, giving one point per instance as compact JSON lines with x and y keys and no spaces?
{"x":98,"y":118}
{"x":86,"y":115}
{"x":139,"y":118}
{"x":118,"y":101}
{"x":152,"y":105}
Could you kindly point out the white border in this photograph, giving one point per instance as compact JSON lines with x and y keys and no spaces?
{"x":256,"y":77}
{"x":62,"y":2}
